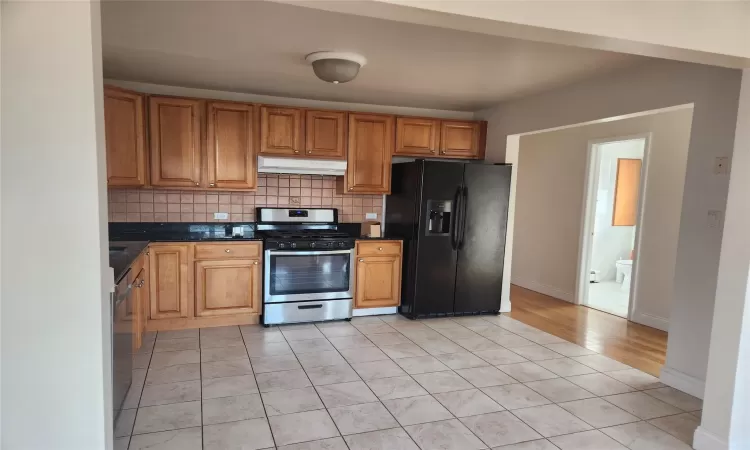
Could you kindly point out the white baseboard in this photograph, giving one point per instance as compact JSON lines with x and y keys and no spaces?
{"x":374,"y":311}
{"x":682,"y":382}
{"x":703,"y":440}
{"x":652,"y":321}
{"x":545,"y":289}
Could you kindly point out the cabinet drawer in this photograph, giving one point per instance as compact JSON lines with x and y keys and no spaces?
{"x":378,"y":248}
{"x":221,"y":250}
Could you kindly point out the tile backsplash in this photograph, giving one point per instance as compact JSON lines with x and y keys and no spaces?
{"x":175,"y":205}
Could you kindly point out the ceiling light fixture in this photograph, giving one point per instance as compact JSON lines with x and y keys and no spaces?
{"x":336,"y":67}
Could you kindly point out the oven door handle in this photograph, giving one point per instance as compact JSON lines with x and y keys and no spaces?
{"x":315,"y":252}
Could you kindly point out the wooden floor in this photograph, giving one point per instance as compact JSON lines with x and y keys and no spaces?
{"x":635,"y":345}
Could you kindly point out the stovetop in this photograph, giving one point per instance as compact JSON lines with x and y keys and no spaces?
{"x":304,"y":234}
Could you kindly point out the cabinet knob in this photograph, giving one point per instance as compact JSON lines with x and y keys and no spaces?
{"x":380,"y":248}
{"x":148,"y":253}
{"x":227,"y":250}
{"x":255,"y":263}
{"x":296,"y":151}
{"x":361,"y":260}
{"x":197,"y":184}
{"x":212,"y":185}
{"x":350,"y":188}
{"x":442,"y":152}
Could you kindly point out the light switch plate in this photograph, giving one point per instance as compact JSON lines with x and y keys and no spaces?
{"x":221,"y":216}
{"x":721,"y":165}
{"x":715,"y":218}
{"x":371,"y":216}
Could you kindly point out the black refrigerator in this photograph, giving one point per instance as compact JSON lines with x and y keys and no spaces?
{"x":452,"y":218}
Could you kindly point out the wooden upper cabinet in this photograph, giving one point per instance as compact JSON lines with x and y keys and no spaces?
{"x":462,"y":139}
{"x":369,"y":155}
{"x":170,"y":281}
{"x":225,"y":287}
{"x":175,"y":129}
{"x":230,"y":145}
{"x":281,"y":131}
{"x":125,"y":137}
{"x":417,"y":137}
{"x":325,"y":134}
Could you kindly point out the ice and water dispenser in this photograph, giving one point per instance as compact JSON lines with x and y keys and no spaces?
{"x":438,"y":217}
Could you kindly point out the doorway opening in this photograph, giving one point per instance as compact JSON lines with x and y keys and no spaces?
{"x":611,"y":221}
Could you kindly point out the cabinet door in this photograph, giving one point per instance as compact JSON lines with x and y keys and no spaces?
{"x":417,"y":137}
{"x":125,"y":137}
{"x":175,"y":131}
{"x":281,"y":131}
{"x":231,"y":153}
{"x":370,"y":147}
{"x":227,"y":287}
{"x":326,"y":134}
{"x":170,"y":282}
{"x":461,"y":139}
{"x":378,"y":281}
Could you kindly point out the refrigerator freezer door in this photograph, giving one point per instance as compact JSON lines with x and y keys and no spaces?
{"x":479,"y":271}
{"x":436,"y":258}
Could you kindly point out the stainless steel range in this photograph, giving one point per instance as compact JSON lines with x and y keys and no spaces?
{"x":308,"y":270}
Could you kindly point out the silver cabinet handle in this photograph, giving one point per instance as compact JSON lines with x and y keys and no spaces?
{"x":140,"y":285}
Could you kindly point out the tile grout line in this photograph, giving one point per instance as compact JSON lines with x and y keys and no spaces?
{"x":260,"y":395}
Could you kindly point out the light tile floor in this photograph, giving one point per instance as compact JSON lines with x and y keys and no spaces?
{"x":609,"y":297}
{"x":390,"y":383}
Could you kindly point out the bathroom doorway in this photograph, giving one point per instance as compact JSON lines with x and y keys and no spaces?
{"x":612,"y":213}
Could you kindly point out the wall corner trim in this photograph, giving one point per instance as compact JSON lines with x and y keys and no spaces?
{"x":682,"y":382}
{"x":660,"y":323}
{"x":704,"y":440}
{"x":545,"y":289}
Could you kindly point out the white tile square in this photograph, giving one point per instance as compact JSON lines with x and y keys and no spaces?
{"x":586,"y":440}
{"x":601,"y":363}
{"x":421,"y":364}
{"x":598,"y":413}
{"x":377,"y":369}
{"x":395,"y":387}
{"x":559,"y":390}
{"x":412,"y":410}
{"x":515,"y":396}
{"x":346,"y":394}
{"x":278,"y":403}
{"x":445,"y":435}
{"x":436,"y":382}
{"x":500,"y":428}
{"x":527,"y":371}
{"x":642,"y":405}
{"x":485,"y":376}
{"x":565,"y":367}
{"x":471,"y":402}
{"x":678,"y":399}
{"x":551,"y":420}
{"x":302,"y":427}
{"x":362,"y":418}
{"x":644,"y":436}
{"x":600,"y":384}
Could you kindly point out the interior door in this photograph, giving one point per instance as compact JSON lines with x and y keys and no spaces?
{"x":436,"y":257}
{"x":479,"y":272}
{"x":230,"y":145}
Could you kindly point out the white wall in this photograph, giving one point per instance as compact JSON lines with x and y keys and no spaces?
{"x":714,"y":92}
{"x":726,"y":407}
{"x":551,"y":176}
{"x":56,"y":392}
{"x":611,"y":243}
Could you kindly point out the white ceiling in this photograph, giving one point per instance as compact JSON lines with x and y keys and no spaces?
{"x":259,"y":47}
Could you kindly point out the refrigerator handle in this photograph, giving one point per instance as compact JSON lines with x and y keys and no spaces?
{"x":464,"y":202}
{"x":454,"y":218}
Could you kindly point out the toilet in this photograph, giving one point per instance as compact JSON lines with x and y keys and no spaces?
{"x":624,"y":269}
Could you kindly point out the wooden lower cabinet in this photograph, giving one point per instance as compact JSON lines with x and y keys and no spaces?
{"x":227,"y":287}
{"x":378,"y":276}
{"x":171,"y":284}
{"x":139,"y":298}
{"x":204,"y":284}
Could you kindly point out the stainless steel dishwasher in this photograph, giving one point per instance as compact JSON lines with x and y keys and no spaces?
{"x":122,"y":342}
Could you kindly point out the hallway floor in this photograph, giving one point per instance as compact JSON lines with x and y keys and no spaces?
{"x":608,"y":296}
{"x":639,"y":346}
{"x":390,"y":383}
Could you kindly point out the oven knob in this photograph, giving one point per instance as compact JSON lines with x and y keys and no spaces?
{"x":341,"y":244}
{"x":282,"y":245}
{"x":293,"y":245}
{"x":312,"y":244}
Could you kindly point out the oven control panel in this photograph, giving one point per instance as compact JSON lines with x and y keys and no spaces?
{"x":307,"y":245}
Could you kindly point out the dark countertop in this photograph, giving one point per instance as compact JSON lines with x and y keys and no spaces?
{"x":122,"y":254}
{"x":368,"y":238}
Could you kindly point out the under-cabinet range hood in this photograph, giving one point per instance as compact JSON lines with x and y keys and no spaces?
{"x":270,"y":164}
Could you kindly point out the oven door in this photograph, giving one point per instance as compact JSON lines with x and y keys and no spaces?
{"x":293,"y":276}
